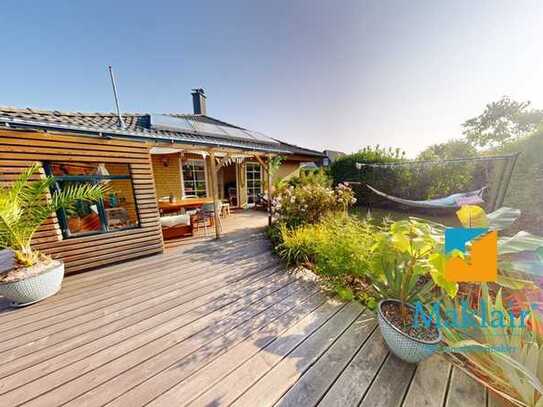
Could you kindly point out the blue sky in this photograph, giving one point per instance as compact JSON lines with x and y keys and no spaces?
{"x":322,"y":74}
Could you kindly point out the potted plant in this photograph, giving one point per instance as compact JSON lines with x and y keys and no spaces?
{"x":404,"y":269}
{"x":24,"y":206}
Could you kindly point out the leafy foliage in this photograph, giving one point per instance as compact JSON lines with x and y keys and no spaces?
{"x":336,"y":248}
{"x":344,"y":170}
{"x":502,"y":122}
{"x":456,"y":148}
{"x":407,"y":262}
{"x":415,"y":181}
{"x":318,"y":177}
{"x":525,"y":187}
{"x":25,"y":205}
{"x":309,"y":203}
{"x":517,"y":372}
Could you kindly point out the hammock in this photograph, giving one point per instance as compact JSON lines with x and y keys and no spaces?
{"x":448,"y":202}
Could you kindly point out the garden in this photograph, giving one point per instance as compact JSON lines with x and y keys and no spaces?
{"x":398,"y":267}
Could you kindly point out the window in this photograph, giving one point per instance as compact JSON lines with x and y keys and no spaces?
{"x":254,"y":181}
{"x":116,"y":211}
{"x":194,"y":178}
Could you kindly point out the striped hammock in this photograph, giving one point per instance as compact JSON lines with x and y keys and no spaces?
{"x":449,"y":202}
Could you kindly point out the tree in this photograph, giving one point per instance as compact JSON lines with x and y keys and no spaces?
{"x":456,"y":148}
{"x":502,"y":122}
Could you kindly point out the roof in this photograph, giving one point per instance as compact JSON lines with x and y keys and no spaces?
{"x":138,"y":125}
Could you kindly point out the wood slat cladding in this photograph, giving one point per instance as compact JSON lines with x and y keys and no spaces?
{"x":19,"y":149}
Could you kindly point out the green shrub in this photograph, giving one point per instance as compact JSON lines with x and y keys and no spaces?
{"x":337,"y":249}
{"x":344,"y":170}
{"x":308,"y":204}
{"x":311,"y":177}
{"x":525,"y":190}
{"x":418,"y":181}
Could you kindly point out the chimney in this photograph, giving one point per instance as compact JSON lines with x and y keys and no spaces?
{"x":199,"y":101}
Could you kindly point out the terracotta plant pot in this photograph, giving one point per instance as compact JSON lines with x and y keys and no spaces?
{"x":407,"y":348}
{"x":35,"y":288}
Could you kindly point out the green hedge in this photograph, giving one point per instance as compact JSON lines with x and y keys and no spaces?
{"x":418,"y":182}
{"x":526,"y":188}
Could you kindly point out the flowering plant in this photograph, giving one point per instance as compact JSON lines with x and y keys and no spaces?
{"x":295,"y":206}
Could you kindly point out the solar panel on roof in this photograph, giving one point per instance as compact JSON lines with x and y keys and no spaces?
{"x":207,"y":127}
{"x":167,"y":122}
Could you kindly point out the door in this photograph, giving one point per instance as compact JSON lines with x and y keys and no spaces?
{"x":253,"y":178}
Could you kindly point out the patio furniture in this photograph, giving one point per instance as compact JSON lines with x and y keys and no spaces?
{"x":206,"y":216}
{"x":177,"y":206}
{"x":225,"y":209}
{"x":232,"y":196}
{"x":176,"y":226}
{"x":261,"y":202}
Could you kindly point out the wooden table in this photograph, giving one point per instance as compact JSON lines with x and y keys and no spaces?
{"x":169,"y":207}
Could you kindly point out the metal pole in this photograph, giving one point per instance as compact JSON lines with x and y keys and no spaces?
{"x":121,"y":122}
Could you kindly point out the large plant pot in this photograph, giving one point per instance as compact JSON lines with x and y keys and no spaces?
{"x":407,"y":348}
{"x":35,"y":288}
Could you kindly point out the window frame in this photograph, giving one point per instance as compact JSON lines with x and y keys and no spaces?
{"x":182,"y":161}
{"x":94,"y":179}
{"x":260,"y":179}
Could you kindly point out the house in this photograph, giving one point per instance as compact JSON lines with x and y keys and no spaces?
{"x":330,"y":156}
{"x":147,"y":161}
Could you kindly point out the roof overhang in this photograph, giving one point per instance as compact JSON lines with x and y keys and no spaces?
{"x":141,"y":136}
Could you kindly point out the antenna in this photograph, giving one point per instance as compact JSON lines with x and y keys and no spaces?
{"x":121,"y":122}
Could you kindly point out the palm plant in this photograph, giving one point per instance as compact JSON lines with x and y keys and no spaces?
{"x":26,"y":204}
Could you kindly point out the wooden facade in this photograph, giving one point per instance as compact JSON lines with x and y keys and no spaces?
{"x":19,"y":149}
{"x":151,"y":177}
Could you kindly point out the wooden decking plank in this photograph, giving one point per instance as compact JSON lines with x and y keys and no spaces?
{"x":429,"y":385}
{"x":357,"y":377}
{"x":269,"y":389}
{"x":73,"y":337}
{"x":30,"y":342}
{"x":313,"y":385}
{"x":164,"y":370}
{"x":103,"y":304}
{"x":389,"y":387}
{"x":234,"y":384}
{"x":130,"y":272}
{"x":84,"y":374}
{"x":90,"y":302}
{"x":117,"y":271}
{"x":464,"y":391}
{"x":171,"y":266}
{"x":200,"y":381}
{"x":142,"y":266}
{"x":55,"y":356}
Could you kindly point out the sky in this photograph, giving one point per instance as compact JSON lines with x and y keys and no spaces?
{"x":318,"y":73}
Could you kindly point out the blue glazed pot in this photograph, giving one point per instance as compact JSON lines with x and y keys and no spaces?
{"x":409,"y":349}
{"x":35,"y":288}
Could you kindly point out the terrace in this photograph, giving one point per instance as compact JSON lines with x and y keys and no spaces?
{"x":211,"y":323}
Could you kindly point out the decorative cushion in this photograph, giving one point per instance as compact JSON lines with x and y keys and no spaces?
{"x":175,"y":220}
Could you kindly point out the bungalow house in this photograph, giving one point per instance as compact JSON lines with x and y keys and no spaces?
{"x":150,"y":163}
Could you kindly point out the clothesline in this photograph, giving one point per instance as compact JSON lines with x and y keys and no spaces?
{"x":433,"y":162}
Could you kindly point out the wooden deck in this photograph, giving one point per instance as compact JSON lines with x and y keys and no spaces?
{"x":209,"y":324}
